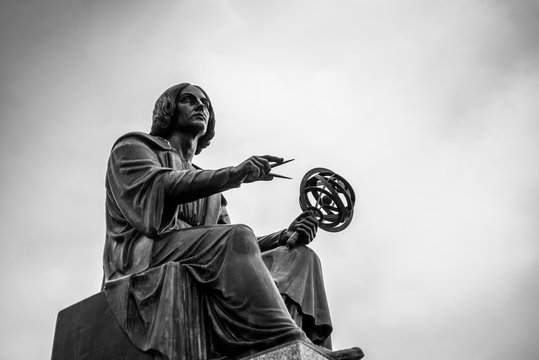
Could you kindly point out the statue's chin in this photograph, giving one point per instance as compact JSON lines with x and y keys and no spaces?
{"x":197,"y":127}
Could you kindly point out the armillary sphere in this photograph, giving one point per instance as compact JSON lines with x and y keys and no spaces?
{"x":329,"y":197}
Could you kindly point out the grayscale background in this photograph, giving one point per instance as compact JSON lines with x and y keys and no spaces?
{"x":429,"y":108}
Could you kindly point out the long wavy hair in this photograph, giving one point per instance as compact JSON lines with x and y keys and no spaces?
{"x":166,"y":110}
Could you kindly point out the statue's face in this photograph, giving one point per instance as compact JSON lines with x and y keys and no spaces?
{"x":193,"y":110}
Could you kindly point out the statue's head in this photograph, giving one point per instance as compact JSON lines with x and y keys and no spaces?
{"x":166,"y":110}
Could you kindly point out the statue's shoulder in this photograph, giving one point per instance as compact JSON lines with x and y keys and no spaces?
{"x":140,"y":138}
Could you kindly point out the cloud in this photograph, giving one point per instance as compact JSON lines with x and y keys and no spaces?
{"x":428,"y":108}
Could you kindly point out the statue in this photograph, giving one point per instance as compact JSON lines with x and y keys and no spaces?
{"x":162,"y":210}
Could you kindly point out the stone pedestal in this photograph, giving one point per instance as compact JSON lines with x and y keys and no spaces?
{"x":297,"y":350}
{"x":88,"y":330}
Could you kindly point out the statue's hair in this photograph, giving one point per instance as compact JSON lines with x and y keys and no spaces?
{"x":166,"y":110}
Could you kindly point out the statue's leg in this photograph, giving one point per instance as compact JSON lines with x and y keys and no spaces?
{"x":244,"y":307}
{"x":298,"y":275}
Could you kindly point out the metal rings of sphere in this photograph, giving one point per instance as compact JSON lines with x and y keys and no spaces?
{"x":329,"y":197}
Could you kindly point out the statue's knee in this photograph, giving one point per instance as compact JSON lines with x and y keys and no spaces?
{"x":243,"y":239}
{"x":243,"y":231}
{"x":306,"y":252}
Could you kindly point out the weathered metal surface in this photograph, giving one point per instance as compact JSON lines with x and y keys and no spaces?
{"x":329,"y":197}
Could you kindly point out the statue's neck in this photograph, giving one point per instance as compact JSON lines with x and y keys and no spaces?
{"x":184,"y":144}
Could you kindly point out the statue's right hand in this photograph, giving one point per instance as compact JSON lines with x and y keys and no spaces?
{"x":255,"y":168}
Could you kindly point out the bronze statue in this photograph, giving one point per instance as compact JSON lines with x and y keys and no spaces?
{"x":163,"y":209}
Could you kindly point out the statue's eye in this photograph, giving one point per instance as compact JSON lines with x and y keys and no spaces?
{"x":192,"y":100}
{"x":187,"y":98}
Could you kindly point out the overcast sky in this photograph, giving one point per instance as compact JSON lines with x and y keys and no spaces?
{"x":428,"y":108}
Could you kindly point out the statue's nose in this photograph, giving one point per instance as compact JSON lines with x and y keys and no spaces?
{"x":200,"y":104}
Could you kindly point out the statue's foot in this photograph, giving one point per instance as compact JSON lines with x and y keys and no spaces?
{"x":354,"y":353}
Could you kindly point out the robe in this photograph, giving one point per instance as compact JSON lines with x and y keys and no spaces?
{"x":162,"y":212}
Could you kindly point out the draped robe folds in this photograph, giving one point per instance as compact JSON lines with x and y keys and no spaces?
{"x":162,"y":212}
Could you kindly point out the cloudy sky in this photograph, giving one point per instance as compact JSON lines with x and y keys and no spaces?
{"x":429,"y":108}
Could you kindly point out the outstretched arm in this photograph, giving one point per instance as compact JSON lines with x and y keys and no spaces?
{"x":185,"y":186}
{"x":135,"y":164}
{"x":146,"y":191}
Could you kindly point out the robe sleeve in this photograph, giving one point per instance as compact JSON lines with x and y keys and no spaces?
{"x":144,"y":189}
{"x":270,"y":241}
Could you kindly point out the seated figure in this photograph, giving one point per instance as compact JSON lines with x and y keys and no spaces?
{"x":162,"y":210}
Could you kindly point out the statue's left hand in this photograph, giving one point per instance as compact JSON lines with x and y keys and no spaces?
{"x":305,"y":225}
